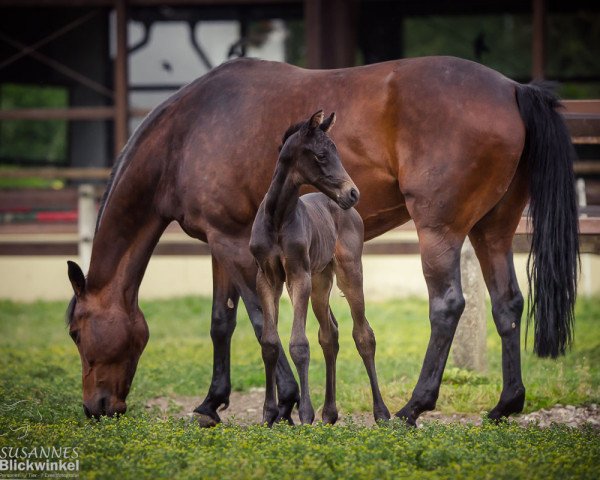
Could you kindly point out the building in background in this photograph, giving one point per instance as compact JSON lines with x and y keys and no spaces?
{"x":73,"y":86}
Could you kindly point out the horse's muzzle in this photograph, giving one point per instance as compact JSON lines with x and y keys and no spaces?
{"x":104,"y":407}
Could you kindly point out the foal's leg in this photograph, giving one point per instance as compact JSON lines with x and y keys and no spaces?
{"x":224,"y":310}
{"x":440,"y":256}
{"x":492,"y":240}
{"x":270,"y":294}
{"x":328,"y":337}
{"x":299,"y":286}
{"x":348,"y":269}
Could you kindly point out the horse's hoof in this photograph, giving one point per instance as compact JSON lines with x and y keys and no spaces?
{"x":285,"y":410}
{"x":407,"y":417}
{"x":204,"y":421}
{"x":505,"y":408}
{"x":287,"y":419}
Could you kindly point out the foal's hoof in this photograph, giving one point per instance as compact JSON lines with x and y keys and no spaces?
{"x":381,"y":414}
{"x":204,"y":421}
{"x":330,"y":416}
{"x":270,"y":416}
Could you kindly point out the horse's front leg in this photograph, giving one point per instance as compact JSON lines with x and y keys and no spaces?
{"x":269,"y":291}
{"x":223,"y":321}
{"x":299,"y":286}
{"x":440,"y":256}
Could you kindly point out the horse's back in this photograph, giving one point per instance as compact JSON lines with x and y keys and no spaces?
{"x":429,"y":117}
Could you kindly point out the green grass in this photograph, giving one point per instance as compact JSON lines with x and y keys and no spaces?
{"x":40,"y":402}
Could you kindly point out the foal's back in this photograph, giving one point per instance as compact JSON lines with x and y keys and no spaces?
{"x":328,"y":225}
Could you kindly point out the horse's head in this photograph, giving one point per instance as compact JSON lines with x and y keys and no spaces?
{"x":314,"y":160}
{"x":110,"y":340}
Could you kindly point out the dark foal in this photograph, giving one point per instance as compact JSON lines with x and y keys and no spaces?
{"x":302,"y":241}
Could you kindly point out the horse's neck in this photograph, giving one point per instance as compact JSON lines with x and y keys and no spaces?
{"x":282,"y":197}
{"x":123,"y":244}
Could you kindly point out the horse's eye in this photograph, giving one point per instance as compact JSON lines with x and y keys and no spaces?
{"x":321,"y":157}
{"x":74,"y":334}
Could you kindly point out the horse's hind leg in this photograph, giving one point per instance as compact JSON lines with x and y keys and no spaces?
{"x":241,"y":271}
{"x":348,"y":269}
{"x":492,"y":240}
{"x":440,"y":256}
{"x":328,"y":337}
{"x":223,"y":321}
{"x":288,"y":392}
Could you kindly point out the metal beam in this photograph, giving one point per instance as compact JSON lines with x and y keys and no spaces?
{"x":72,"y":113}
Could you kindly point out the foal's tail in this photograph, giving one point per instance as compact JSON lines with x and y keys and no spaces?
{"x":553,"y":263}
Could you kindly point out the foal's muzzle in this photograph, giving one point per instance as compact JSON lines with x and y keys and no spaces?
{"x":349,"y":198}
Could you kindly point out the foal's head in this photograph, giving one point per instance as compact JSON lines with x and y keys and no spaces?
{"x":110,"y":340}
{"x":313,"y":159}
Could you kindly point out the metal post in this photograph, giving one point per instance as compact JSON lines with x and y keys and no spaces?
{"x":121,"y":79}
{"x":469,"y":346}
{"x":86,"y":223}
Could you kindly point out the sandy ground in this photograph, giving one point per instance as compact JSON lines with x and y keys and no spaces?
{"x":246,"y":409}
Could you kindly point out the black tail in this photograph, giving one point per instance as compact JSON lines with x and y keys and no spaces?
{"x":553,"y":264}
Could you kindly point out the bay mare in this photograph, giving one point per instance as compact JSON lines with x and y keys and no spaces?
{"x":455,"y":146}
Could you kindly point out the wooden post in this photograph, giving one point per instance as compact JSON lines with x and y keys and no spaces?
{"x":469,"y":346}
{"x":313,"y":31}
{"x":121,"y":79}
{"x":330,"y":33}
{"x":538,"y":43}
{"x":86,"y":223}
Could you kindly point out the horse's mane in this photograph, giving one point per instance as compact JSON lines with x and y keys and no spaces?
{"x":289,"y":132}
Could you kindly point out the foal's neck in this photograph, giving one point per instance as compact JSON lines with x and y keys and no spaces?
{"x":282,"y":197}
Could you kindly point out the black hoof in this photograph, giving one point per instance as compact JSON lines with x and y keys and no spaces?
{"x":381,"y":413}
{"x":285,"y":410}
{"x":507,"y":407}
{"x":330,"y":416}
{"x":407,"y":416}
{"x":206,"y":417}
{"x":205,"y":421}
{"x":270,"y":416}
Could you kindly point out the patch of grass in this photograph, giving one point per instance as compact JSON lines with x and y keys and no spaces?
{"x":40,"y":363}
{"x":40,"y":402}
{"x":141,"y":447}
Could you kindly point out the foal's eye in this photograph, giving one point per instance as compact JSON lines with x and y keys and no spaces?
{"x":74,"y":334}
{"x":321,"y":157}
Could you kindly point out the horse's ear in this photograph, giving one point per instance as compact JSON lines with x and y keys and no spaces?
{"x":327,"y":124}
{"x":77,"y":278}
{"x":316,"y":119}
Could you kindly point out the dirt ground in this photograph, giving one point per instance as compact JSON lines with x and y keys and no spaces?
{"x":246,"y":409}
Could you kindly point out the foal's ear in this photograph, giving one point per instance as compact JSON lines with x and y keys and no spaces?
{"x":327,"y":124}
{"x":316,"y":119}
{"x":77,"y":278}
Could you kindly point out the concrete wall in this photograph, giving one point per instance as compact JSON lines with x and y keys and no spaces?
{"x":45,"y":278}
